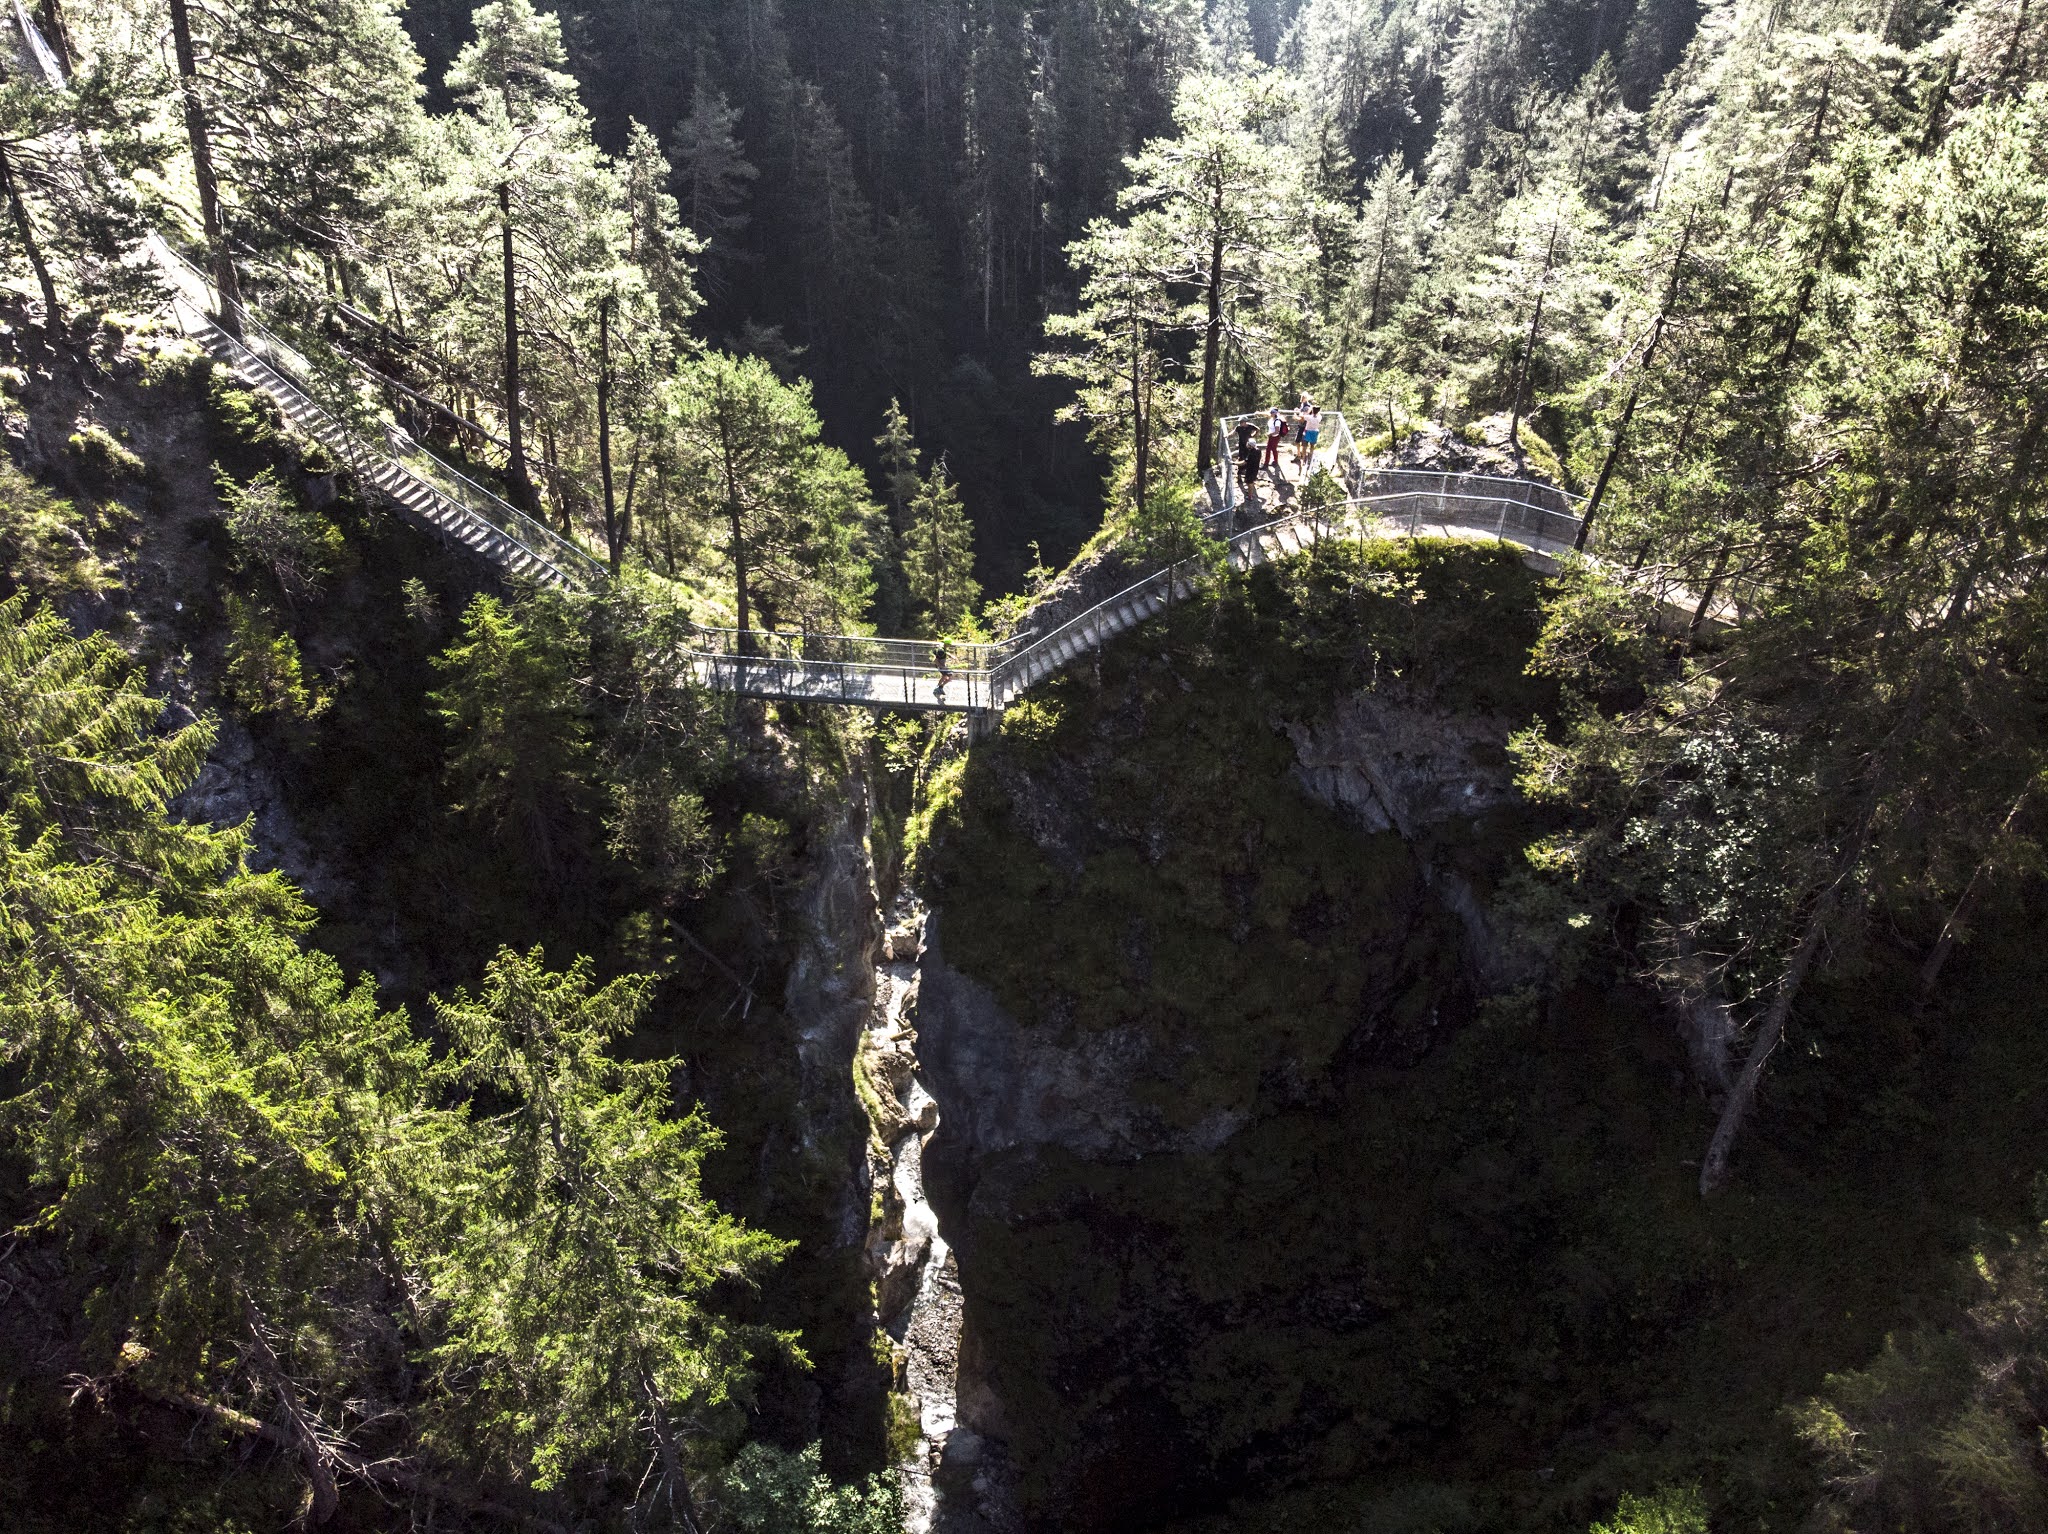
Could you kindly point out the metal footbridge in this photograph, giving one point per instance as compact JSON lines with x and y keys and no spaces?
{"x":1330,"y":492}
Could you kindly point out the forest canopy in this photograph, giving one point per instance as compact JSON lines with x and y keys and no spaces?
{"x":812,"y":318}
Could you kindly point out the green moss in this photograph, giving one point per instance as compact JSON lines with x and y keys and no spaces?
{"x":104,"y":462}
{"x":1472,"y":1291}
{"x":939,"y":804}
{"x":905,"y":1431}
{"x":243,"y":421}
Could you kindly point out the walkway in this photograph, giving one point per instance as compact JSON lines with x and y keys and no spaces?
{"x":980,"y":680}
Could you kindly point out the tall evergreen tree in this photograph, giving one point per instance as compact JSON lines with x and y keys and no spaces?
{"x":938,"y":554}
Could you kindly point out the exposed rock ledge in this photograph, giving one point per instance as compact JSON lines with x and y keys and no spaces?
{"x":1396,"y":766}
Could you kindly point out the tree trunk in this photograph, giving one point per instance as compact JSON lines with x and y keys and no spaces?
{"x":632,"y":484}
{"x":1212,"y":341}
{"x":614,"y":531}
{"x":322,"y":1495}
{"x":1714,"y":1169}
{"x":53,"y":315}
{"x":2012,"y":47}
{"x":1141,"y":428}
{"x":224,"y":279}
{"x":56,"y":33}
{"x":1523,"y":368}
{"x":1628,"y":411}
{"x":516,"y":478}
{"x":727,"y":449}
{"x":1606,"y":470}
{"x":1951,"y":929}
{"x":1808,"y":282}
{"x":1522,"y":372}
{"x":1699,"y":614}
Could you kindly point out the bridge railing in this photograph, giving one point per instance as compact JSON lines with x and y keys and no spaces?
{"x":850,"y":649}
{"x":862,"y":683}
{"x":287,"y":371}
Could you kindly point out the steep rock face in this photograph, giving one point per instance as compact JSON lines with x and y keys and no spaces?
{"x":1395,"y":765}
{"x":1009,"y":1085}
{"x":1195,"y":913}
{"x":1392,"y":763}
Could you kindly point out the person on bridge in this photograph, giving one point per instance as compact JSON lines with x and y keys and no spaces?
{"x":1311,"y":428}
{"x":1248,"y":454}
{"x":944,"y":662}
{"x":1276,"y":428}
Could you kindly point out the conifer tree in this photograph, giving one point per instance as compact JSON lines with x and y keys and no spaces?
{"x":938,"y":553}
{"x":1114,"y":347}
{"x":792,"y":513}
{"x":712,"y":174}
{"x":574,"y":1289}
{"x":529,"y":143}
{"x":69,"y":156}
{"x":1225,"y":198}
{"x":290,"y":109}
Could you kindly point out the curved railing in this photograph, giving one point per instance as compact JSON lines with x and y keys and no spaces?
{"x":987,"y":678}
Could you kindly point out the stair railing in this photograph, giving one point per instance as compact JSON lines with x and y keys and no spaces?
{"x":286,"y":374}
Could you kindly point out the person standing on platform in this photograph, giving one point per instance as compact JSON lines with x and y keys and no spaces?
{"x":1276,"y":428}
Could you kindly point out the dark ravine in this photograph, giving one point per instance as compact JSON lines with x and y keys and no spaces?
{"x":1076,"y":1183}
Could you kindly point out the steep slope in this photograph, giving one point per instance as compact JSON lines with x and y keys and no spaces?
{"x":1272,"y":1187}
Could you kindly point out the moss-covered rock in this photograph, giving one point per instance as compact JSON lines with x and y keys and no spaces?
{"x":1265,"y":1220}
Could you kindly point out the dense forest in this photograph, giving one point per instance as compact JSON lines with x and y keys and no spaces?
{"x":437,"y":1071}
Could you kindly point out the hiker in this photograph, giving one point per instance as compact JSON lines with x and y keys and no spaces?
{"x":945,"y":665}
{"x":1248,"y":454}
{"x":1311,"y":428}
{"x":1301,"y":431}
{"x":1276,"y":429}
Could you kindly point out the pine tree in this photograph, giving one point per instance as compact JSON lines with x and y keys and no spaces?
{"x":291,"y":107}
{"x":712,"y":176}
{"x":792,"y":513}
{"x":1114,"y":347}
{"x":938,"y":554}
{"x":528,"y":145}
{"x":1225,"y":199}
{"x":69,"y":157}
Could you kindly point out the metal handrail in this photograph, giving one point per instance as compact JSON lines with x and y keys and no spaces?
{"x":360,"y":455}
{"x":852,"y":649}
{"x":400,"y":451}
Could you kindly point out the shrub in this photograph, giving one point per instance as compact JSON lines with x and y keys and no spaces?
{"x":275,"y":532}
{"x":241,"y":417}
{"x":1668,"y":1510}
{"x":103,"y":462}
{"x":264,"y":672}
{"x":41,"y":542}
{"x":771,"y":1491}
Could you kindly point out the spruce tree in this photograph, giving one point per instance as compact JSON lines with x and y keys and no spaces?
{"x":938,"y":554}
{"x":712,"y":176}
